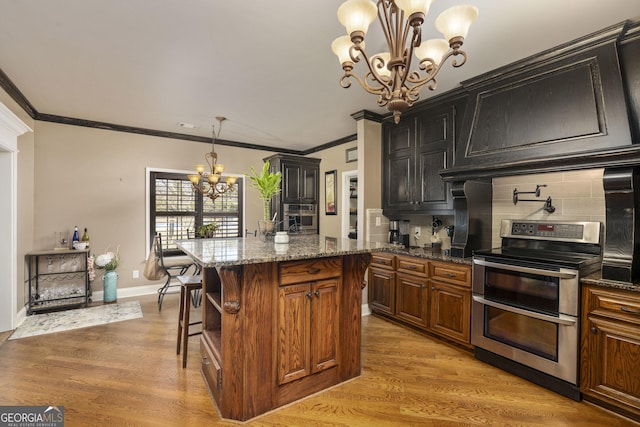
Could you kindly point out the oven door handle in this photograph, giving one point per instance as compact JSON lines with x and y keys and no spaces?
{"x":520,"y":269}
{"x":561,"y":319}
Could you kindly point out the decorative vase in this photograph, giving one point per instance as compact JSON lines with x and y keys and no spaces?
{"x":110,"y":287}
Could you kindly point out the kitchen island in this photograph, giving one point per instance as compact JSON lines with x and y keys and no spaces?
{"x":280,"y":321}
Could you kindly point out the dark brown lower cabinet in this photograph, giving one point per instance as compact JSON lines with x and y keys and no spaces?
{"x":275,"y":332}
{"x":307,"y":329}
{"x":434,"y":296}
{"x":610,"y":354}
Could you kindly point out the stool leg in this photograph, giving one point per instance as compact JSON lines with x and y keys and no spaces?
{"x":185,"y":326}
{"x":181,"y":324}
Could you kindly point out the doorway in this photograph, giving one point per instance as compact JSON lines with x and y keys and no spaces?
{"x":350,"y":204}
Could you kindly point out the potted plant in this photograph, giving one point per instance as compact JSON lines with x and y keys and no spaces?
{"x":268,"y":185}
{"x":207,"y":231}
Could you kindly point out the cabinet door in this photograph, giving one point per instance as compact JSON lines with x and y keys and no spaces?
{"x":309,"y":182}
{"x":412,"y":299}
{"x":434,"y":153}
{"x":450,"y":312}
{"x":382,"y":290}
{"x":324,"y":325}
{"x":294,"y":343}
{"x":399,"y":166}
{"x":291,"y":183}
{"x":610,"y":363}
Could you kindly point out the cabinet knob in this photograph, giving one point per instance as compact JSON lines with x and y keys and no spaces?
{"x":433,"y":288}
{"x":316,"y":293}
{"x":204,"y":361}
{"x":594,"y":329}
{"x":309,"y":294}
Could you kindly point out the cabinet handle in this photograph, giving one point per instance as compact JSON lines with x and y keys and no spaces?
{"x":313,"y":271}
{"x":629,"y":310}
{"x":316,"y":293}
{"x":411,"y":267}
{"x":449,"y":274}
{"x":594,"y":330}
{"x":309,"y":294}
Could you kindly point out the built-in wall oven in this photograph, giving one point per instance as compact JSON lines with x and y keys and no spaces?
{"x":526,"y":299}
{"x":301,"y":218}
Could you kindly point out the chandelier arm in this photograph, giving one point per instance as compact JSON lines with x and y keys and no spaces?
{"x":372,"y":90}
{"x":384,"y":12}
{"x":416,"y":38}
{"x":384,"y":84}
{"x":456,"y":53}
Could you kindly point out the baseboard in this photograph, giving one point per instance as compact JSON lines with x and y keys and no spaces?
{"x":365,"y":310}
{"x":128,"y":292}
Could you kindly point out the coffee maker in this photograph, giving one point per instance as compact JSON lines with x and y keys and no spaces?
{"x":399,"y":232}
{"x":394,"y":231}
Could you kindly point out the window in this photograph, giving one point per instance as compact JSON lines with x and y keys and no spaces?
{"x":177,"y":211}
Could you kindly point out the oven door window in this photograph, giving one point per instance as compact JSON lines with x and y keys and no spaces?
{"x":526,"y":333}
{"x":529,"y":291}
{"x":306,"y":220}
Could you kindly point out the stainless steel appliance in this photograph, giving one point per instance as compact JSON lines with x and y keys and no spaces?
{"x":394,"y":231}
{"x":301,"y":218}
{"x":526,"y":299}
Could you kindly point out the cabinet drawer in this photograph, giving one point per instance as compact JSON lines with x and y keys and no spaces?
{"x":451,"y":273}
{"x":309,"y":270}
{"x":411,"y":265}
{"x":615,"y":304}
{"x":210,"y":366}
{"x":383,"y":260}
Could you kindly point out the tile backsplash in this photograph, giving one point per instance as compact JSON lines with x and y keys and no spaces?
{"x":576,"y":195}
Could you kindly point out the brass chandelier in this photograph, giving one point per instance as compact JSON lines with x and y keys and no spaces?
{"x":389,"y":73}
{"x":208,"y":182}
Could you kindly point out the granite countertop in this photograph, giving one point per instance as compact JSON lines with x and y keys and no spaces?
{"x":218,"y":252}
{"x":428,"y":253}
{"x":596,"y":279}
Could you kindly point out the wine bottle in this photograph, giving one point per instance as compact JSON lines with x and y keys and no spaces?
{"x":85,"y":237}
{"x":76,"y":237}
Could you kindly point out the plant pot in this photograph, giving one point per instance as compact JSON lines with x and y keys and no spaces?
{"x":265,"y":228}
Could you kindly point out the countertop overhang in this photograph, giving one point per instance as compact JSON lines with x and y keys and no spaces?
{"x":220,"y":252}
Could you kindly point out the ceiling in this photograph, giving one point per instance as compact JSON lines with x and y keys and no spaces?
{"x":265,"y":65}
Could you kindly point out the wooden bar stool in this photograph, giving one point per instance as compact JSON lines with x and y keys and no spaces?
{"x":188,"y":285}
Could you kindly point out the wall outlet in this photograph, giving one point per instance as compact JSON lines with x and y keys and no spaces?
{"x":377,"y":221}
{"x":136,"y":274}
{"x":416,"y":232}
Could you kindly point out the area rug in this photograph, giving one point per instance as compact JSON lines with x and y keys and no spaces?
{"x":59,"y":321}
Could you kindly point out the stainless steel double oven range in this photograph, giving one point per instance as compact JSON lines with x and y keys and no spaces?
{"x":526,"y":299}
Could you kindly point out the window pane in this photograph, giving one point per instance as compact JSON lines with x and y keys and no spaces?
{"x":178,"y":210}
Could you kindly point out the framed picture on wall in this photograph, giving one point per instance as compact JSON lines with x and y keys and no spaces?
{"x":330,"y":190}
{"x":352,"y":154}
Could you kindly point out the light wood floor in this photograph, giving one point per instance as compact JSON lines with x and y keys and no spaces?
{"x":127,"y":373}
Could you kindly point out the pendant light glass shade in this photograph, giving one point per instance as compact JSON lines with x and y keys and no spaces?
{"x":455,"y":21}
{"x":357,"y":15}
{"x":409,"y":7}
{"x":433,"y":49}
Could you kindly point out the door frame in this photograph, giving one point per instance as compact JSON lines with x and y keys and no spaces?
{"x":344,"y":211}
